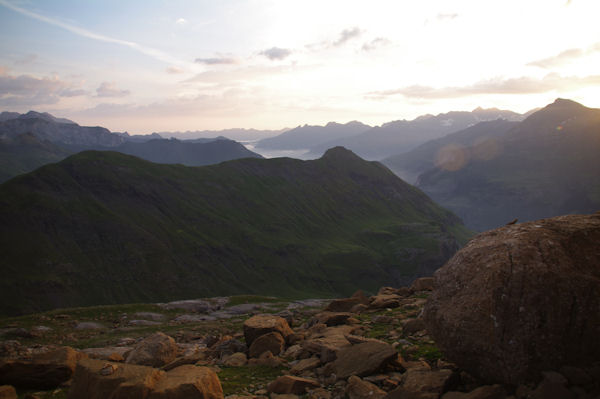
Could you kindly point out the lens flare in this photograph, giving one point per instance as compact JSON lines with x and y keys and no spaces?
{"x":452,"y":157}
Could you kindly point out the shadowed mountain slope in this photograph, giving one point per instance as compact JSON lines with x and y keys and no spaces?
{"x":545,"y":166}
{"x":103,"y":227}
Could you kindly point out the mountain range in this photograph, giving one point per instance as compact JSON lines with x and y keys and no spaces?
{"x":305,"y":137}
{"x":104,"y":227}
{"x":494,"y":172}
{"x":401,"y":136}
{"x":30,"y":140}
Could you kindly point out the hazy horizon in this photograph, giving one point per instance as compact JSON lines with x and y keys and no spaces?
{"x":155,"y":66}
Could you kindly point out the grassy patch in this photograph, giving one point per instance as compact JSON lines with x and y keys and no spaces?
{"x":240,"y":380}
{"x":429,"y":352}
{"x":52,"y":394}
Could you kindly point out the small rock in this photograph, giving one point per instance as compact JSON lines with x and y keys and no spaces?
{"x":384,"y":301}
{"x":191,"y":305}
{"x":89,"y":325}
{"x":108,"y":369}
{"x":426,"y":384}
{"x":236,"y":360}
{"x":273,"y":342}
{"x":259,"y":325}
{"x":156,"y":350}
{"x":305,"y":364}
{"x":363,"y":359}
{"x":7,"y":392}
{"x":483,"y":392}
{"x":291,"y":384}
{"x":359,"y":389}
{"x":149,"y":316}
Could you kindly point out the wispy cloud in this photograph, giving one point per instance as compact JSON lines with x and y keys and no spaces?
{"x":174,"y":70}
{"x":375,"y":44}
{"x":348,"y":34}
{"x":149,"y":51}
{"x":276,"y":53}
{"x":521,"y":85}
{"x":110,"y":89}
{"x":216,"y":61}
{"x":446,"y":16}
{"x":565,"y":57}
{"x":31,"y":90}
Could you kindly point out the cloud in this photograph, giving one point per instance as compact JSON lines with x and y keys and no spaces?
{"x":521,"y":85}
{"x":346,"y":35}
{"x":565,"y":57}
{"x":446,"y":16}
{"x":32,"y":90}
{"x":149,"y":51}
{"x":375,"y":44}
{"x":181,"y":22}
{"x":110,"y":89}
{"x":174,"y":70}
{"x":73,"y":93}
{"x":276,"y":53}
{"x":216,"y":61}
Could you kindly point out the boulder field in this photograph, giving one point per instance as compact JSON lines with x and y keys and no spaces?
{"x":514,"y":315}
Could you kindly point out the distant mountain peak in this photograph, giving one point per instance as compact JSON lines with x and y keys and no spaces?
{"x":45,"y":116}
{"x":340,"y":153}
{"x":565,"y":102}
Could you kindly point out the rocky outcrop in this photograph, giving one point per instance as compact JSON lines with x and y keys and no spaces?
{"x":156,"y":351}
{"x":521,"y":299}
{"x":44,"y":371}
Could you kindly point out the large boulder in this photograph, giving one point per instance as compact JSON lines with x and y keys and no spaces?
{"x":188,"y":382}
{"x":44,"y":371}
{"x":156,"y":350}
{"x":521,"y":299}
{"x":259,"y":325}
{"x":97,"y":379}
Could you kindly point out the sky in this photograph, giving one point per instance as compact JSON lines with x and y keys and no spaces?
{"x":174,"y":65}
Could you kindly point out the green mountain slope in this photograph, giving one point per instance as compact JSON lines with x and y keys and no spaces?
{"x":24,"y":153}
{"x":547,"y":165}
{"x":103,"y":227}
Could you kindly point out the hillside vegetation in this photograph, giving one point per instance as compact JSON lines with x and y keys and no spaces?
{"x":103,"y":227}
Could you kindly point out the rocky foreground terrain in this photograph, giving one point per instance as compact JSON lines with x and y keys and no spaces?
{"x":513,"y":315}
